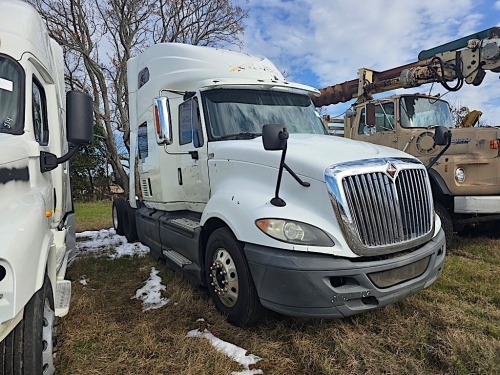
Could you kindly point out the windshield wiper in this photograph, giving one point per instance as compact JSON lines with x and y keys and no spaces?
{"x":243,"y":135}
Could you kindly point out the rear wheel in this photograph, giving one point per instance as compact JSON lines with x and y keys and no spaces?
{"x":117,"y":214}
{"x":30,"y":347}
{"x":129,"y":224}
{"x":229,"y":280}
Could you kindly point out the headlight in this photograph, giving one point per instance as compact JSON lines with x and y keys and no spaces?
{"x":459,"y":175}
{"x":294,"y":232}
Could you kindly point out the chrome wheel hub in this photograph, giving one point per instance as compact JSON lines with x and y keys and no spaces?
{"x":224,"y":277}
{"x":47,"y":339}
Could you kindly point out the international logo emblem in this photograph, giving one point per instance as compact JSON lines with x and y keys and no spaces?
{"x":391,"y":170}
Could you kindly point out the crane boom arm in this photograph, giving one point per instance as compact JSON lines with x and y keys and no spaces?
{"x":464,"y":60}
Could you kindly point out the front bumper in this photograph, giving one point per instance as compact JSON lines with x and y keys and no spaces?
{"x":323,"y":286}
{"x":477,"y":205}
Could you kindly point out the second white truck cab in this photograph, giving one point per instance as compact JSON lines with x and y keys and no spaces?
{"x":244,"y":192}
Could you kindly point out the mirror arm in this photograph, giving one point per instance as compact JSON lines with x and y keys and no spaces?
{"x":277,"y":201}
{"x":49,"y":161}
{"x":297,"y":178}
{"x":436,"y":158}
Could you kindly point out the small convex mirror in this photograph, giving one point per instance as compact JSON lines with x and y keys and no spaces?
{"x":163,"y":124}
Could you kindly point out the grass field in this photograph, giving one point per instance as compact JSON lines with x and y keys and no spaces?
{"x":93,"y":215}
{"x":453,"y":327}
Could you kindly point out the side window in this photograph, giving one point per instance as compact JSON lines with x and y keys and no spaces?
{"x":384,"y":117}
{"x":190,"y":124}
{"x":142,"y":141}
{"x":39,"y":104}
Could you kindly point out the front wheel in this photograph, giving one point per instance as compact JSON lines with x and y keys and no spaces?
{"x":29,"y":348}
{"x":446,"y":221}
{"x":229,"y":280}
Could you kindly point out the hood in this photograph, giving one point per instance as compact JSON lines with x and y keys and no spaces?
{"x":307,"y":155}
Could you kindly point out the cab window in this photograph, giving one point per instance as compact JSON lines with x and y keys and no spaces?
{"x":190,"y":124}
{"x":384,"y":119}
{"x":11,"y":96}
{"x":142,"y":141}
{"x":39,"y":108}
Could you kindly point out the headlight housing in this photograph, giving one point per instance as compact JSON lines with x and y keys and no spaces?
{"x":294,"y":232}
{"x":459,"y":175}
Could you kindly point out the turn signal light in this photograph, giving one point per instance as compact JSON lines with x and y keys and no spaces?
{"x":494,"y":144}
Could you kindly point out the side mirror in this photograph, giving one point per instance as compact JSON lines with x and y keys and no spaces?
{"x":370,"y":114}
{"x":442,"y":135}
{"x":79,"y":118}
{"x":79,"y":129}
{"x":163,"y":123}
{"x":274,"y":137}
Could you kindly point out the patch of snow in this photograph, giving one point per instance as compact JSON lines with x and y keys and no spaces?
{"x":106,"y":241}
{"x":150,"y":293}
{"x":232,"y":351}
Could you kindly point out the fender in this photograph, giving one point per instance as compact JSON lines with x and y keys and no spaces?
{"x":438,"y":182}
{"x":240,"y":199}
{"x":26,"y":242}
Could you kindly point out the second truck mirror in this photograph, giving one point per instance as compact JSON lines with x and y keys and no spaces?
{"x":79,"y":118}
{"x":163,"y":124}
{"x":370,"y":114}
{"x":442,"y":135}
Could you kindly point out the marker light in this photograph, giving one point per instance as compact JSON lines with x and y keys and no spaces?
{"x":494,"y":144}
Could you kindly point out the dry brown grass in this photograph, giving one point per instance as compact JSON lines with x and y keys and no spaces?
{"x":453,"y":327}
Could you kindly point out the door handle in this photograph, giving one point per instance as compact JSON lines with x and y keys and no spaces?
{"x":179,"y":176}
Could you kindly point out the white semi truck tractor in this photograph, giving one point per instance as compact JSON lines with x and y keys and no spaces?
{"x":37,"y":225}
{"x":245,"y":193}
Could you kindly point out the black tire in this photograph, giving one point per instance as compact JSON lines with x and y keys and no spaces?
{"x":129,"y":225}
{"x":446,"y":221}
{"x":30,"y":347}
{"x":117,"y":213}
{"x":229,"y":279}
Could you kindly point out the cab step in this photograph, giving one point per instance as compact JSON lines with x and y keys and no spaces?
{"x":177,"y":258}
{"x":185,"y":223}
{"x":62,"y":298}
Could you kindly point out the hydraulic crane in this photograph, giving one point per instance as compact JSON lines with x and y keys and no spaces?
{"x":464,"y":60}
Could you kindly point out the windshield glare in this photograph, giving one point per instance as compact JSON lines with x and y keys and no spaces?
{"x":11,"y":96}
{"x":243,"y":111}
{"x":421,"y":112}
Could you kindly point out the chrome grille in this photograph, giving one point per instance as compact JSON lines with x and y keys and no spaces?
{"x":380,"y":213}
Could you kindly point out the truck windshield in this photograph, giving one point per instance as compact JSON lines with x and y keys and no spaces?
{"x":422,"y":112}
{"x":11,"y":96}
{"x":241,"y":113}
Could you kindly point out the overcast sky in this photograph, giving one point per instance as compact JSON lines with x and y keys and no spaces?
{"x":323,"y":42}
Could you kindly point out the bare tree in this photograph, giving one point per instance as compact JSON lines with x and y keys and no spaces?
{"x":99,"y":36}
